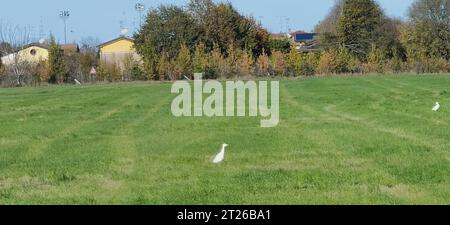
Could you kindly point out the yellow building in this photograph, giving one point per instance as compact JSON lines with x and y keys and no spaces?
{"x":36,"y":52}
{"x":32,"y":53}
{"x":118,"y":51}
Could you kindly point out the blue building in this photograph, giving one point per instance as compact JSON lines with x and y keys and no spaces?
{"x":303,"y":37}
{"x":305,"y":42}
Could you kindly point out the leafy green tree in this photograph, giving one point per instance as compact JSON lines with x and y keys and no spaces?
{"x":202,"y":21}
{"x":358,"y":26}
{"x":280,"y":44}
{"x":166,"y":29}
{"x":56,"y":62}
{"x":222,"y":24}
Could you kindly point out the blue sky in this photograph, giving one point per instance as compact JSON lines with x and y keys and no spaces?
{"x":102,"y":18}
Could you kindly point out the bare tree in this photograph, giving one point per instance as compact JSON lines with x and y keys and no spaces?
{"x":89,"y":45}
{"x":14,"y":38}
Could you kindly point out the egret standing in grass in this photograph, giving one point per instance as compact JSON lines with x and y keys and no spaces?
{"x":436,"y":107}
{"x":221,"y":156}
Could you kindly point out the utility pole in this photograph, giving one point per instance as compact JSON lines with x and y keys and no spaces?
{"x":64,"y":15}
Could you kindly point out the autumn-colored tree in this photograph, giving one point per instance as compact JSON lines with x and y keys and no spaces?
{"x":294,"y":63}
{"x":218,"y":66}
{"x":278,"y":63}
{"x":163,"y":66}
{"x":200,"y":59}
{"x":309,"y":63}
{"x":245,"y":64}
{"x":263,"y":65}
{"x":337,"y":61}
{"x":427,"y":31}
{"x":376,"y":60}
{"x":327,"y":63}
{"x":183,"y":63}
{"x":233,"y":55}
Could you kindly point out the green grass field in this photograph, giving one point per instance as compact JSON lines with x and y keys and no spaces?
{"x":341,"y":140}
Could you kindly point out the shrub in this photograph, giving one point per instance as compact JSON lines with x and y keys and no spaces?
{"x":182,"y":64}
{"x":108,"y":72}
{"x":245,"y":65}
{"x":163,"y":66}
{"x":2,"y":73}
{"x":42,"y":72}
{"x":376,"y":60}
{"x":294,"y":62}
{"x":200,"y":59}
{"x":278,"y":63}
{"x":263,"y":65}
{"x":337,"y":61}
{"x":280,"y":44}
{"x":137,"y":73}
{"x":327,"y":63}
{"x":309,"y":63}
{"x":396,"y":65}
{"x":218,"y":66}
{"x":423,"y":64}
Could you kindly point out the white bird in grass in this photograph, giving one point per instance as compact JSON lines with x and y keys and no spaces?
{"x":436,"y":107}
{"x":220,"y":157}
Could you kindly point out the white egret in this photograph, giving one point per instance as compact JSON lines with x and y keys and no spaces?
{"x":436,"y":107}
{"x":221,"y":155}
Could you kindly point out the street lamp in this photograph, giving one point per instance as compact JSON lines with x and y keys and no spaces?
{"x":64,"y":15}
{"x":139,"y":7}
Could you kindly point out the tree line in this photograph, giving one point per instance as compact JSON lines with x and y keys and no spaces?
{"x":215,"y":39}
{"x":355,"y":37}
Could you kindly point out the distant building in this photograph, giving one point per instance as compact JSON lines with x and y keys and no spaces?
{"x":306,"y":42}
{"x":302,"y":37}
{"x":118,"y":51}
{"x":36,"y":52}
{"x":70,"y":48}
{"x":32,"y":53}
